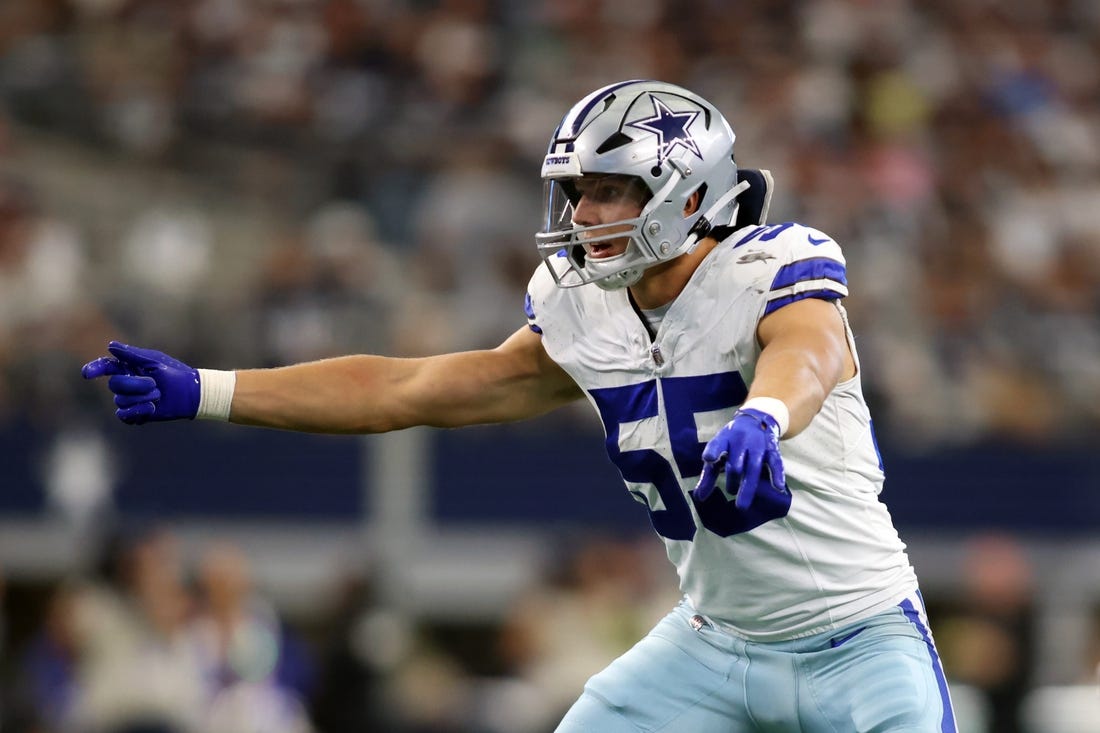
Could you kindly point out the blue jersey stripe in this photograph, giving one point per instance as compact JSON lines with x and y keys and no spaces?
{"x":778,"y":303}
{"x":529,"y":311}
{"x":765,"y":233}
{"x":756,"y":232}
{"x":815,"y":268}
{"x":572,"y":130}
{"x":948,"y":723}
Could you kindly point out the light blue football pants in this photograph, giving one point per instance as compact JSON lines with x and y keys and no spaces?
{"x":688,"y":676}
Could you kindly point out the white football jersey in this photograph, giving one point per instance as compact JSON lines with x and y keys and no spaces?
{"x":792,"y":564}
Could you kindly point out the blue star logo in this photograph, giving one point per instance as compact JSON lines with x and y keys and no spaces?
{"x":671,"y":129}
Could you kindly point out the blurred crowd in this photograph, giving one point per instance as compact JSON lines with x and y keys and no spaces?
{"x":256,"y":182}
{"x":138,"y":646}
{"x":260,"y":181}
{"x":155,"y":636}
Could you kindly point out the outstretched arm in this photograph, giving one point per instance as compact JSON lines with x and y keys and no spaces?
{"x":351,"y":394}
{"x":374,"y":394}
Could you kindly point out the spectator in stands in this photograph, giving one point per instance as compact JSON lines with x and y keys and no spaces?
{"x":257,"y":672}
{"x":988,"y":639}
{"x":137,"y":670}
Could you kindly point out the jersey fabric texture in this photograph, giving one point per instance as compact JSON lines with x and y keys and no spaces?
{"x":793,"y":565}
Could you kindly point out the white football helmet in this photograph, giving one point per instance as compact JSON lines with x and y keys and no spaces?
{"x":667,"y":138}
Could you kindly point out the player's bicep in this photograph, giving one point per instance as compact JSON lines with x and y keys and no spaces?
{"x":541,"y":383}
{"x":804,"y":355}
{"x":798,"y":305}
{"x":516,"y":380}
{"x":815,"y":328}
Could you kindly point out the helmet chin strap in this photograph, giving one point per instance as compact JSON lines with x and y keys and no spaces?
{"x":619,"y":280}
{"x":722,"y":202}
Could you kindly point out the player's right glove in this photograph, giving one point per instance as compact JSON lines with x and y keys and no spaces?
{"x":149,"y":386}
{"x":746,"y":446}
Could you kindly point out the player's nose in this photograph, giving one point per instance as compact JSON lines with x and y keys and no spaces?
{"x":585,"y":212}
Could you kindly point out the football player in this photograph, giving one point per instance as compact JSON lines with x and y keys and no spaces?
{"x":718,"y":356}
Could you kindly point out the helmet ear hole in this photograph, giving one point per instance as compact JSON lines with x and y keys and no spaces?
{"x":695,"y":200}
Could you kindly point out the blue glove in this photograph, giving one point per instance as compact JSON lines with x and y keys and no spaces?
{"x":148,"y":385}
{"x":747,"y":445}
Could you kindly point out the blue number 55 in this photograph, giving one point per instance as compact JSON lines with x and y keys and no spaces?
{"x":636,"y":433}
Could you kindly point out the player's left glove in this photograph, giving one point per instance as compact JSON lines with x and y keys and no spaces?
{"x":148,"y":385}
{"x":744,"y":447}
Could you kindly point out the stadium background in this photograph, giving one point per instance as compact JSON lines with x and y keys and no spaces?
{"x":256,"y":182}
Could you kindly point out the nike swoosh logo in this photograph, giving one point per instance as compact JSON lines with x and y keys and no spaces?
{"x":835,"y":642}
{"x":815,"y":241}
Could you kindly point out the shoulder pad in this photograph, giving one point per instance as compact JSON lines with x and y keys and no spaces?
{"x":789,"y":235}
{"x":540,"y":290}
{"x":753,"y":204}
{"x":792,"y":262}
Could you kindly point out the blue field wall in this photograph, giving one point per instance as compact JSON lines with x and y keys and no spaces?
{"x":548,"y":472}
{"x":180,"y":471}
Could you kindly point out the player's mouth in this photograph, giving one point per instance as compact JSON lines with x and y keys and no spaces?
{"x":602,"y":250}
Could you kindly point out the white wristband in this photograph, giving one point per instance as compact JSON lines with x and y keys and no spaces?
{"x":215,"y":394}
{"x":774,"y":407}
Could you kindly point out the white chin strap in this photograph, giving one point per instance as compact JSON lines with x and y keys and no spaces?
{"x":619,"y":276}
{"x":723,"y":201}
{"x":622,"y":279}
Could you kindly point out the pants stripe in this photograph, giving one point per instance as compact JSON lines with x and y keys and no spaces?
{"x":914,"y":616}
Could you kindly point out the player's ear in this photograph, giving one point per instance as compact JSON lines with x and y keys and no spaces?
{"x":692,"y":204}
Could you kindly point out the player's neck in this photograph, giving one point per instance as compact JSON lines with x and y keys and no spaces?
{"x":661,"y":283}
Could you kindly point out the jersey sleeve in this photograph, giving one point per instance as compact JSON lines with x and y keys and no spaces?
{"x":809,"y":264}
{"x":529,"y":311}
{"x":540,"y":289}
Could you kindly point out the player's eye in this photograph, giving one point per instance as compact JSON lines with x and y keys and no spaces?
{"x":612,"y":189}
{"x":608,"y":192}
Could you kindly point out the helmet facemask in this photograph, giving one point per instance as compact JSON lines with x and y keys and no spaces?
{"x":612,"y":254}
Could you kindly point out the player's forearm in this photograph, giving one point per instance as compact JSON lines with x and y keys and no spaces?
{"x":375,"y":394}
{"x":351,"y":394}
